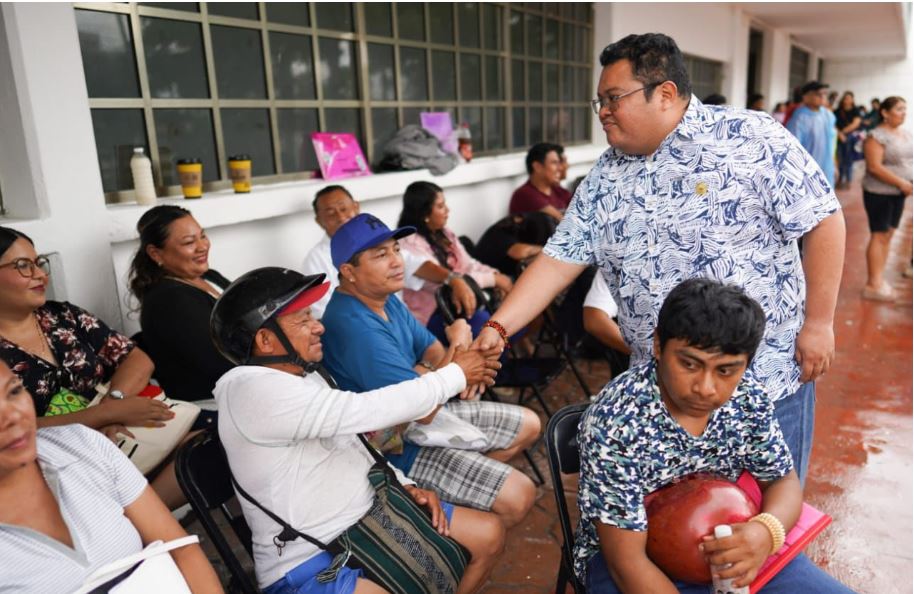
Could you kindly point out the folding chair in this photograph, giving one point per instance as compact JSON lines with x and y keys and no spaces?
{"x":204,"y":476}
{"x":563,"y":455}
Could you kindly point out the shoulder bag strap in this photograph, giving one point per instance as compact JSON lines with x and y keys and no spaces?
{"x":288,"y":533}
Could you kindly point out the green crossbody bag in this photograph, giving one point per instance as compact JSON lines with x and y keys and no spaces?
{"x":65,"y":402}
{"x":394,"y":543}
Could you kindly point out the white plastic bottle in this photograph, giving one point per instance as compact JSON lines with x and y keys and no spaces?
{"x":725,"y":586}
{"x":143,"y":184}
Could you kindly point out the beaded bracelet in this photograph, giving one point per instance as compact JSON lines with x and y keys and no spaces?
{"x":498,"y":328}
{"x":775,"y":528}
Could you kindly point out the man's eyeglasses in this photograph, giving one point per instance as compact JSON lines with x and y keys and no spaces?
{"x":612,"y":102}
{"x":26,"y":267}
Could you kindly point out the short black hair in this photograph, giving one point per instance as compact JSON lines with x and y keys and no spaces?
{"x":326,"y":190}
{"x":654,"y":57}
{"x":714,"y":99}
{"x":710,"y":315}
{"x":538,"y":152}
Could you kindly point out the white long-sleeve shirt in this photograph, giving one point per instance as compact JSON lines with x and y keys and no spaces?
{"x":292,"y":444}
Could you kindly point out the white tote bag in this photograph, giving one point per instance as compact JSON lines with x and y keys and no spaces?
{"x":150,"y":445}
{"x":447,"y":430}
{"x":151,"y":571}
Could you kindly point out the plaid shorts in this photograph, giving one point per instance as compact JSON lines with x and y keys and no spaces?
{"x":464,"y":477}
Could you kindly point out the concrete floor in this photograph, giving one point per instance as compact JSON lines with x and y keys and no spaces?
{"x":860,"y":471}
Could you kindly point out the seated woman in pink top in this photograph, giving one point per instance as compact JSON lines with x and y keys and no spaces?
{"x":425,"y":209}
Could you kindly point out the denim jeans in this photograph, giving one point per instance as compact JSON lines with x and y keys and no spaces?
{"x":796,"y":416}
{"x":800,"y":576}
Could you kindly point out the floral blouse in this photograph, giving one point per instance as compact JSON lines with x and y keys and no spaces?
{"x":88,"y":353}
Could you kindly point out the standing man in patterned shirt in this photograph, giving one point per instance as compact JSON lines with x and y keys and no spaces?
{"x":690,"y":409}
{"x":686,"y":190}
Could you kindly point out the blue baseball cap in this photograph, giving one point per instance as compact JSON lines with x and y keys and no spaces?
{"x":360,"y":233}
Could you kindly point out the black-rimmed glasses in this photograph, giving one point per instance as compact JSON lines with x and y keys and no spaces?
{"x":612,"y":102}
{"x":26,"y":267}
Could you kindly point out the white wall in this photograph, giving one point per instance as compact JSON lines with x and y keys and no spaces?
{"x":873,"y":77}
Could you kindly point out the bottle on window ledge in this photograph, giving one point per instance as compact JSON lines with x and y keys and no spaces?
{"x":143,"y":185}
{"x":464,"y":142}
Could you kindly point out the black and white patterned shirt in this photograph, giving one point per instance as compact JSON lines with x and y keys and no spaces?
{"x":631,"y":446}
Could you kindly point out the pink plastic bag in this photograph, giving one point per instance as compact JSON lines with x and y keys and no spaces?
{"x":339,"y":155}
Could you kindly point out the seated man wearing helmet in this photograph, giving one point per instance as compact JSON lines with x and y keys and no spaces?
{"x":374,"y":341}
{"x":292,"y":440}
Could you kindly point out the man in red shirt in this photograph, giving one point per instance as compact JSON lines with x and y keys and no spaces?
{"x":542,"y":191}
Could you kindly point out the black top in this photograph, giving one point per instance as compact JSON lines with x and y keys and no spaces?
{"x":493,"y":246}
{"x":175,"y":322}
{"x":533,"y":228}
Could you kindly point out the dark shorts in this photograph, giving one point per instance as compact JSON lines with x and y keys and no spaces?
{"x":883,"y":210}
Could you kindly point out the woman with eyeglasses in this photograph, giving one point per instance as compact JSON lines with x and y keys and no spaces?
{"x":63,"y":352}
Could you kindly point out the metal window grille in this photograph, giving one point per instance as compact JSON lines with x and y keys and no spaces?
{"x":522,"y":73}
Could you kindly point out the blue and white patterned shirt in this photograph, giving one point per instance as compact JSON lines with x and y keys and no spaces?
{"x":726,"y":196}
{"x":630,"y":446}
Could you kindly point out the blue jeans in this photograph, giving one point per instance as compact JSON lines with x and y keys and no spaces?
{"x":436,"y":324}
{"x":796,"y":416}
{"x":800,"y":576}
{"x":845,"y":161}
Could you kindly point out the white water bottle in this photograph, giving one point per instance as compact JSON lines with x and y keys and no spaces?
{"x":143,"y":185}
{"x":720,"y":585}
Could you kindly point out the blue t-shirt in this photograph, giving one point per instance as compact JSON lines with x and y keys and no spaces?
{"x":630,"y":446}
{"x":363,"y":352}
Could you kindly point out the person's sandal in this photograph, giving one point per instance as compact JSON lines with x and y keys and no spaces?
{"x":876,"y":295}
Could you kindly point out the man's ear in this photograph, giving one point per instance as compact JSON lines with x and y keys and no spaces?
{"x":264,"y":342}
{"x":669,"y":94}
{"x":358,"y":207}
{"x":346,"y":271}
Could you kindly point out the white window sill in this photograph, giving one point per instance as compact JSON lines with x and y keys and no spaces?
{"x":224,"y":207}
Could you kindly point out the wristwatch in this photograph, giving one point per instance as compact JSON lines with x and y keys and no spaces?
{"x":116,"y":394}
{"x":451,"y":276}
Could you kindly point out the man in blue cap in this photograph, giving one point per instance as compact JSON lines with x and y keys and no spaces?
{"x":374,"y":341}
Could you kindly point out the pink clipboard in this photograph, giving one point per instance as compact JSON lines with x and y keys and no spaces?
{"x":808,"y":526}
{"x":339,"y":155}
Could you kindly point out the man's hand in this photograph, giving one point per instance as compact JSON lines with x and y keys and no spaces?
{"x":459,"y":334}
{"x":815,"y":350}
{"x":503,"y":283}
{"x":745,"y":552}
{"x":463,"y":297}
{"x":487,"y":340}
{"x":430,"y":500}
{"x":479,"y":367}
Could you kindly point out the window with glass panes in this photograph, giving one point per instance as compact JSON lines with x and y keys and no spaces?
{"x":799,"y":67}
{"x":706,"y":76}
{"x":210,"y":80}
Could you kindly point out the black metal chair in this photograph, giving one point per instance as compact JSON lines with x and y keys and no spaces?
{"x":203,"y":474}
{"x":563,"y":455}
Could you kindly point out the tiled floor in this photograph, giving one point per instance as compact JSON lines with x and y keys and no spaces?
{"x":861,"y":466}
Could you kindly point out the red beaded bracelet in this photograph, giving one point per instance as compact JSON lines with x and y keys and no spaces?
{"x":498,"y":328}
